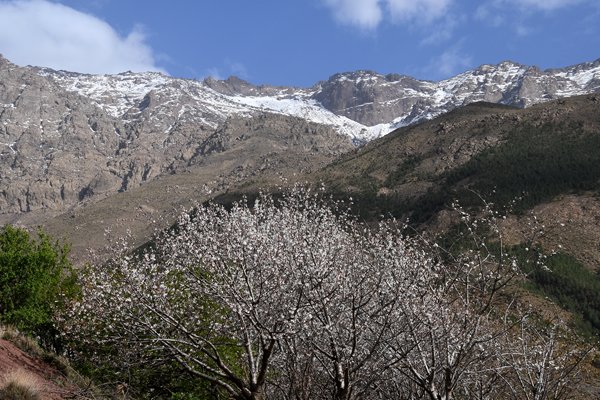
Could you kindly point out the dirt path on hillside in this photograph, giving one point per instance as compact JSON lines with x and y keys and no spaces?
{"x":50,"y":383}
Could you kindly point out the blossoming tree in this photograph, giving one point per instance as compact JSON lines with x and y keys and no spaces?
{"x":293,"y":298}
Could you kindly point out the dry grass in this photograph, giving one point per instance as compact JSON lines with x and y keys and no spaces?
{"x":9,"y":387}
{"x":28,"y":344}
{"x":19,"y":385}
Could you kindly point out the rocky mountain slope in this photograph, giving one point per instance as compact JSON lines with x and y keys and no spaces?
{"x":371,"y":98}
{"x":67,"y":137}
{"x":59,"y":147}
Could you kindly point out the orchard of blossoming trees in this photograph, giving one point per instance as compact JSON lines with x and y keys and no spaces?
{"x":293,"y":298}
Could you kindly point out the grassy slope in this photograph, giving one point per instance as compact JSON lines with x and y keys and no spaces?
{"x":501,"y":153}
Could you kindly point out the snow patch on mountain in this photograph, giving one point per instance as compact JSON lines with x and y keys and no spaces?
{"x":118,"y":94}
{"x":392,"y":100}
{"x":313,"y":111}
{"x":583,"y":77}
{"x":114,"y":93}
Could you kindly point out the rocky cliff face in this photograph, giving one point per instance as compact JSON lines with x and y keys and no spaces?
{"x":67,"y":137}
{"x":55,"y":146}
{"x":370,"y":98}
{"x":60,"y":146}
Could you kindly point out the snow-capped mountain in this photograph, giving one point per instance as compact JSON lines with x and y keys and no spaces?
{"x":370,"y":98}
{"x":362,"y":105}
{"x":67,"y":137}
{"x":208,"y":103}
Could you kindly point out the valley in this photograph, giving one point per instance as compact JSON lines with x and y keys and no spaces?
{"x":99,"y":160}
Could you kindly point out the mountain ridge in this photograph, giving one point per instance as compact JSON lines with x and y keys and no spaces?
{"x":507,"y":82}
{"x":67,"y":137}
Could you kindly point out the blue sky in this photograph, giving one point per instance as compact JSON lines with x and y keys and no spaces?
{"x":297,"y":42}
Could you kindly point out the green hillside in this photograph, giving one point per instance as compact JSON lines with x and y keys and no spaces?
{"x":499,"y":153}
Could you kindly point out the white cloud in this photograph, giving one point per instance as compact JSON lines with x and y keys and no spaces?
{"x":368,"y":14}
{"x":547,"y":5}
{"x":365,"y":14}
{"x":444,"y":30}
{"x":417,"y":10}
{"x":238,"y":69}
{"x":229,"y":68}
{"x":451,"y":62}
{"x":495,"y":10}
{"x":42,"y":33}
{"x":522,"y":30}
{"x":214,"y":73}
{"x":518,"y":15}
{"x":487,"y":12}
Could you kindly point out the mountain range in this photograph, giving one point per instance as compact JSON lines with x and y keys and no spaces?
{"x":70,"y":139}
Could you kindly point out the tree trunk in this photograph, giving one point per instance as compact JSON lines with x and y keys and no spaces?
{"x":257,"y":394}
{"x":342,"y":384}
{"x":342,"y":393}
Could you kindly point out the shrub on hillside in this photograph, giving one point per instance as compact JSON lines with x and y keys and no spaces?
{"x":36,"y":278}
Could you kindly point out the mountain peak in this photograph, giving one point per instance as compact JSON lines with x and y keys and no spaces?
{"x":231,"y":86}
{"x":510,"y":63}
{"x":355,"y":76}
